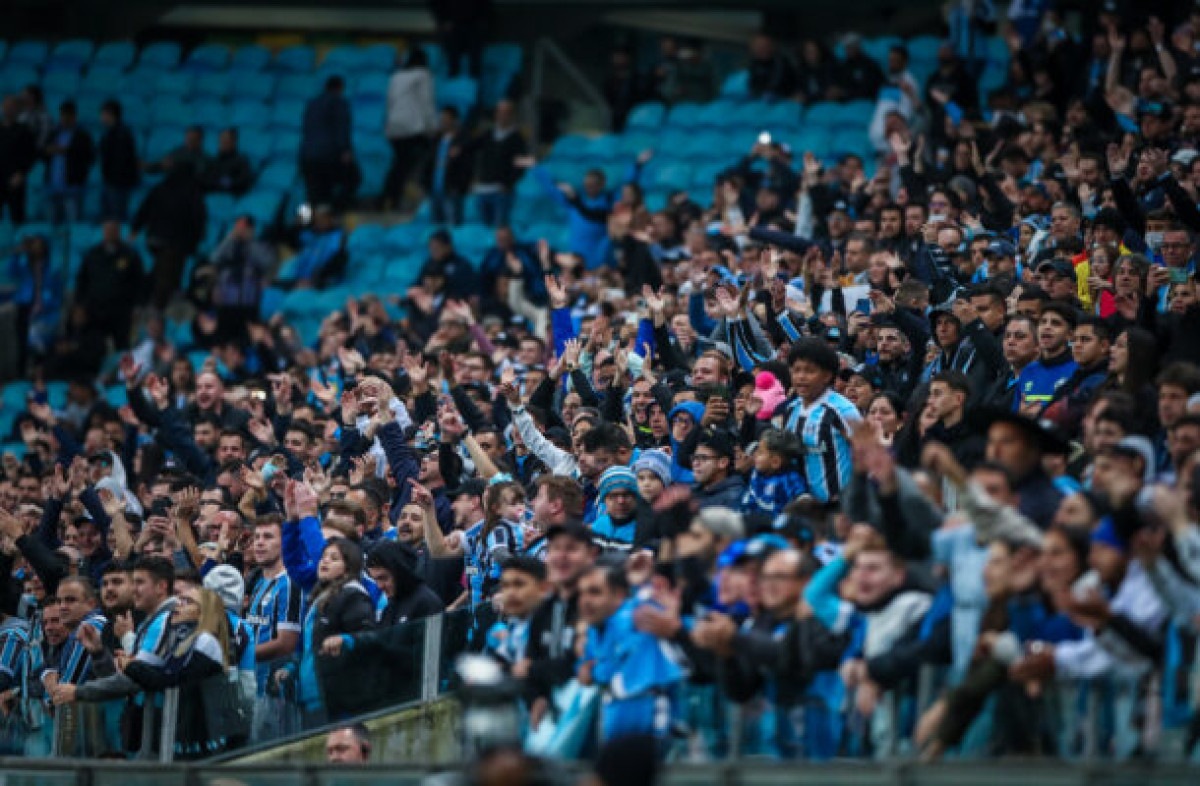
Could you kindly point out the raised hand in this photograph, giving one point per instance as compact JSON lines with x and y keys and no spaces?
{"x":1118,"y":158}
{"x":130,"y":370}
{"x":570,"y":355}
{"x":420,"y":495}
{"x":351,"y":360}
{"x":325,"y":392}
{"x":655,"y":301}
{"x":558,"y":294}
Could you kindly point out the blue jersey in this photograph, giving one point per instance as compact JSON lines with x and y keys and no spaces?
{"x":507,"y":641}
{"x":482,"y":553}
{"x":770,"y":494}
{"x":74,"y":662}
{"x":824,"y":431}
{"x":1038,"y":382}
{"x":275,"y":605}
{"x":242,"y":640}
{"x":14,"y":653}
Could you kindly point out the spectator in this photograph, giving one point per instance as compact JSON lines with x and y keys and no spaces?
{"x":326,"y":149}
{"x":241,"y":266}
{"x":69,"y":156}
{"x":230,"y":171}
{"x":815,"y":74}
{"x":496,"y":172}
{"x":321,"y":251}
{"x":18,"y":153}
{"x":110,"y":272}
{"x":411,"y":122}
{"x":448,"y":170}
{"x":859,"y":77}
{"x":348,"y":745}
{"x":463,"y":25}
{"x":624,"y":87}
{"x":772,"y":75}
{"x":119,"y":168}
{"x":36,"y":116}
{"x":191,"y":154}
{"x":38,"y":298}
{"x":172,"y":215}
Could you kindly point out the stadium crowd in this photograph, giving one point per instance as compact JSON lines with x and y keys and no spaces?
{"x":831,"y":464}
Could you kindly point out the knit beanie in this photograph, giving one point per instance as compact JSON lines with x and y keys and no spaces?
{"x":657,"y":462}
{"x":227,"y":582}
{"x":770,"y":392}
{"x":616,"y":478}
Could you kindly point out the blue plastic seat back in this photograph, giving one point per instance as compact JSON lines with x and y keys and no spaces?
{"x":15,"y":77}
{"x":163,"y":54}
{"x":924,"y":47}
{"x":461,"y":92}
{"x":823,"y":114}
{"x":683,"y":114}
{"x":175,"y":83}
{"x":370,"y":87}
{"x":250,"y":58}
{"x":299,"y":59}
{"x":61,"y":83}
{"x":379,"y":57}
{"x":216,"y":84}
{"x":368,"y":114}
{"x":736,"y":85}
{"x":344,"y":58}
{"x":28,"y":52}
{"x":287,"y":113}
{"x":260,"y":86}
{"x":260,"y":203}
{"x":255,"y":143}
{"x":162,"y":140}
{"x":649,"y":116}
{"x":167,"y":110}
{"x":72,"y":53}
{"x":210,"y":113}
{"x":247,"y":113}
{"x":142,"y":81}
{"x":207,"y":58}
{"x":570,"y":147}
{"x":285,"y":144}
{"x":115,"y":54}
{"x":278,"y":176}
{"x":296,"y":86}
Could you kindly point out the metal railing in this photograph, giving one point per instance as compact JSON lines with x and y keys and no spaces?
{"x":545,"y":52}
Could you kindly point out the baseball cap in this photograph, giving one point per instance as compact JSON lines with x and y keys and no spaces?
{"x":1059,"y":267}
{"x":1001,"y":248}
{"x":471,"y":488}
{"x":572,"y":529}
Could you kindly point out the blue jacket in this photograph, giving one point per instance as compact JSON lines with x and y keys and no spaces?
{"x":587,"y":217}
{"x":626,"y":661}
{"x":1039,"y":380}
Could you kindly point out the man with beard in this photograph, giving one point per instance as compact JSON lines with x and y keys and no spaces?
{"x":442,"y":575}
{"x":557,"y":501}
{"x":116,"y":600}
{"x":396,"y":569}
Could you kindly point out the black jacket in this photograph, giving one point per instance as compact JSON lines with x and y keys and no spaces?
{"x":788,"y":653}
{"x":493,"y":157}
{"x":81,"y":154}
{"x":551,"y":647}
{"x":229,"y":172}
{"x":18,"y":150}
{"x":342,"y":686}
{"x":119,"y":157}
{"x":413,"y":599}
{"x":173,"y":214}
{"x":457,"y":177}
{"x":110,"y":279}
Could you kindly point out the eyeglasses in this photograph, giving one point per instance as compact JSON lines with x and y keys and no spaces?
{"x":1174,"y":245}
{"x":700,"y":457}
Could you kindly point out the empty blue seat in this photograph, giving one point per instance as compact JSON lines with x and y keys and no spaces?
{"x":704,"y":176}
{"x":285,"y":144}
{"x":605,"y":147}
{"x":249,"y":58}
{"x":344,"y":58}
{"x":699,"y":146}
{"x":378,"y":57}
{"x":503,"y":57}
{"x":211,"y":113}
{"x":811,"y":139}
{"x":162,"y":54}
{"x":141,"y":82}
{"x":366,"y":239}
{"x":61,"y":83}
{"x":668,"y":175}
{"x":286,"y":113}
{"x":719,"y":114}
{"x":168,"y":109}
{"x":246,"y":113}
{"x":462,"y":93}
{"x":134,"y":111}
{"x":255,"y":143}
{"x":174,"y":83}
{"x":101,"y":80}
{"x":631,"y":144}
{"x":17,"y":76}
{"x":924,"y":47}
{"x":877,"y":48}
{"x":736,"y":85}
{"x":437,"y":59}
{"x":368,"y":114}
{"x":207,"y":58}
{"x":570,"y":147}
{"x":296,"y":86}
{"x":683,"y":114}
{"x":215,"y":84}
{"x":115,"y":54}
{"x":277,"y":176}
{"x":370,"y":86}
{"x":299,"y":59}
{"x":262,"y":204}
{"x":648,"y":115}
{"x":28,"y":52}
{"x":221,"y":207}
{"x":72,"y":53}
{"x":822,"y":113}
{"x":374,"y":172}
{"x":855,"y":113}
{"x":259,"y":87}
{"x":779,"y":115}
{"x":371,"y":143}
